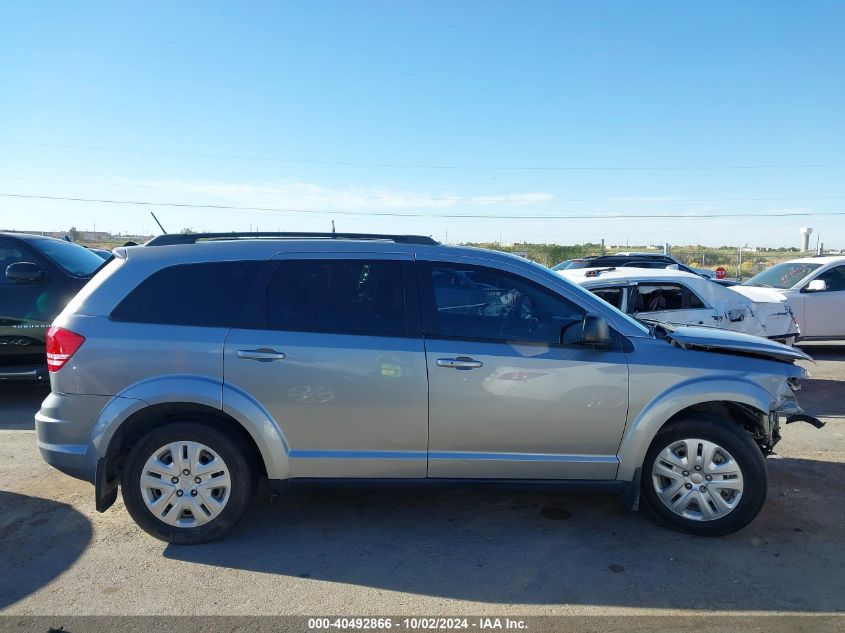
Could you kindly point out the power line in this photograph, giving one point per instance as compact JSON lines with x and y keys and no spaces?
{"x":475,"y":199}
{"x":341,"y":163}
{"x":276,"y":210}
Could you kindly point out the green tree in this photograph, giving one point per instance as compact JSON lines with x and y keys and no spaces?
{"x":74,"y":234}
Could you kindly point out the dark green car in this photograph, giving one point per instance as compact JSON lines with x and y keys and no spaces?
{"x":38,"y":277}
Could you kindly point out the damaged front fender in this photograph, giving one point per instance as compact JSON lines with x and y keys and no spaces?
{"x":784,"y":407}
{"x":789,"y":407}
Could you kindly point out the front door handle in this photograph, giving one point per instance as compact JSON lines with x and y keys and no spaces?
{"x":263,"y":355}
{"x":461,"y":362}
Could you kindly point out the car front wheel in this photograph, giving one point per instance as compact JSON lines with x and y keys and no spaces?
{"x":187,"y":483}
{"x":705,"y":477}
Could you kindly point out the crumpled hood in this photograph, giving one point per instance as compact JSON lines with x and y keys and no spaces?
{"x":728,"y":341}
{"x":760,"y":293}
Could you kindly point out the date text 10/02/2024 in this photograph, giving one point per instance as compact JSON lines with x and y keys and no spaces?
{"x":417,"y":623}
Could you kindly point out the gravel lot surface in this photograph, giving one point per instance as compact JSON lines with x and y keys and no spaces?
{"x":429,"y":552}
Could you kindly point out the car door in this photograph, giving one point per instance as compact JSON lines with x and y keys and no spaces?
{"x":673,"y":303}
{"x":330,"y":345}
{"x":506,"y":398}
{"x":823,"y":309}
{"x":26,"y":311}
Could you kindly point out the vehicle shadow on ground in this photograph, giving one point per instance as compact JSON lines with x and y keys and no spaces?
{"x":529,"y":547}
{"x":823,"y":397}
{"x":824,"y":351}
{"x":55,"y":531}
{"x":19,"y":401}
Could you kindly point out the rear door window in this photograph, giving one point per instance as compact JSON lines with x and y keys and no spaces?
{"x":344,"y":296}
{"x":207,"y":294}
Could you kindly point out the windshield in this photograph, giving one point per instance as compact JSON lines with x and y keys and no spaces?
{"x":562,"y":265}
{"x":75,"y":259}
{"x":572,"y":264}
{"x":783,"y":275}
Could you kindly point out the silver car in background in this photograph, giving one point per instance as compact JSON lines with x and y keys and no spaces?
{"x":190,"y":368}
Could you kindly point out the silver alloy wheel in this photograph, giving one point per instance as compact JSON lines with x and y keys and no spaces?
{"x":697,"y":479}
{"x":185,"y":484}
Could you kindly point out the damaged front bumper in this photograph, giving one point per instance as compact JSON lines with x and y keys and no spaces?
{"x":788,"y":409}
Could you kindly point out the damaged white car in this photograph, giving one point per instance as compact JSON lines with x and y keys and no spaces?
{"x":679,"y":298}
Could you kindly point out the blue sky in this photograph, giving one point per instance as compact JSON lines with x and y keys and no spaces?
{"x":332,"y":110}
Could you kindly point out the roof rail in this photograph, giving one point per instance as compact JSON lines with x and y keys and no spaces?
{"x":598,"y":271}
{"x":192,"y":238}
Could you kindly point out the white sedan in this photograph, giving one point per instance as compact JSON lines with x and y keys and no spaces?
{"x":813,"y":287}
{"x":681,"y":298}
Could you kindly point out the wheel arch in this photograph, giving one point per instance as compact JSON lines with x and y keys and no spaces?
{"x":170,"y":398}
{"x":736,"y":401}
{"x":145,"y":419}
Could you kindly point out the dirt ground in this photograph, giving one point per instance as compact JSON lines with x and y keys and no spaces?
{"x":431,"y":552}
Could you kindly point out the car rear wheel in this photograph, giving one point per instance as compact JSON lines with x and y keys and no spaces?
{"x":705,"y":477}
{"x":187,"y":483}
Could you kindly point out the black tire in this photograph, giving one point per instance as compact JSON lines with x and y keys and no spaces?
{"x":736,"y":440}
{"x":228,"y":447}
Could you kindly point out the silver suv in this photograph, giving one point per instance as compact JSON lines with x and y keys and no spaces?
{"x":192,"y":367}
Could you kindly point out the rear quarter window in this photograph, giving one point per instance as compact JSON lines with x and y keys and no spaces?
{"x":612,"y":295}
{"x":206,"y":295}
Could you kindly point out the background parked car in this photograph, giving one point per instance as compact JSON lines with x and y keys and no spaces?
{"x":38,"y":276}
{"x":102,"y":252}
{"x":681,"y":298}
{"x":813,"y":288}
{"x":635,"y":260}
{"x":704,"y":272}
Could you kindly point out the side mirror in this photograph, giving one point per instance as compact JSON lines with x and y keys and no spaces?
{"x":593,"y":330}
{"x":817,"y":285}
{"x":24,"y":272}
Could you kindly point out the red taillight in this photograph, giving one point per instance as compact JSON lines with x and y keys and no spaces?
{"x":61,"y":345}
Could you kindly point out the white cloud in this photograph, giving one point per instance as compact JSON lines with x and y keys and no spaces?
{"x":513,"y":199}
{"x":296,"y":194}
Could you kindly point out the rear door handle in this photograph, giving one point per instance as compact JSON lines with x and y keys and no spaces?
{"x":461,"y":362}
{"x":263,"y":355}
